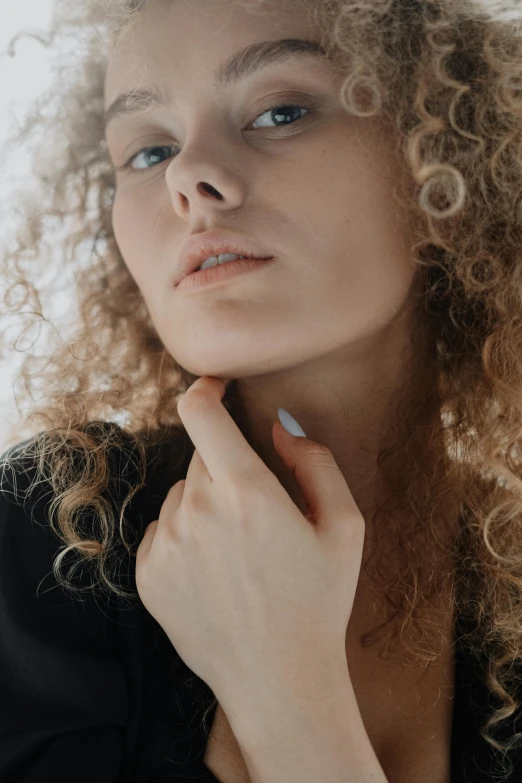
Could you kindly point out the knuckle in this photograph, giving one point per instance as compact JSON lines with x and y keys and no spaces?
{"x":142,"y":573}
{"x":194,"y":501}
{"x":322,"y":457}
{"x":193,"y":401}
{"x":192,"y":404}
{"x":356,"y":527}
{"x":245,"y":491}
{"x":318,"y":448}
{"x":176,"y":488}
{"x":240,"y":490}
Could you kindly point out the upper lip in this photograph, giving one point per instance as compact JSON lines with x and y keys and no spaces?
{"x":199,"y":247}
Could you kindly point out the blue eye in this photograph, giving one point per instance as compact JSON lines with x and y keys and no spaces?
{"x":283,"y":111}
{"x":148,"y":151}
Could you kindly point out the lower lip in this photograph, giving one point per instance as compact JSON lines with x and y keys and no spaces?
{"x":218,"y":274}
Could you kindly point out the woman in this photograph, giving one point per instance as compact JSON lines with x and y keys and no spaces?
{"x":347,"y":604}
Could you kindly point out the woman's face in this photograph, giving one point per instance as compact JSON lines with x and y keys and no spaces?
{"x":314,"y":187}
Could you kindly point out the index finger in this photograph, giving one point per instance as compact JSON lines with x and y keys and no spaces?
{"x":214,"y":433}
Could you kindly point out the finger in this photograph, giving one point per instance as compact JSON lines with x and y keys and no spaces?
{"x":217,"y":438}
{"x":328,"y":497}
{"x":171,"y":503}
{"x":142,"y":554}
{"x":146,"y":542}
{"x":197,"y":470}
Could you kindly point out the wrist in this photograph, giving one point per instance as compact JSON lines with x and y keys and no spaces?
{"x":262,"y":712}
{"x":307,"y":737}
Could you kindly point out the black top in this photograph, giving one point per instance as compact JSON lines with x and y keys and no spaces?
{"x":92,"y":690}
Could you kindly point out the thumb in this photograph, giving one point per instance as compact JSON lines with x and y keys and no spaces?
{"x":325,"y":491}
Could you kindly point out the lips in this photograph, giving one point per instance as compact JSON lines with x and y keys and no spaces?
{"x":199,"y":247}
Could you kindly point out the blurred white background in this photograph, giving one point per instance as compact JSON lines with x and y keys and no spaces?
{"x":22,"y":78}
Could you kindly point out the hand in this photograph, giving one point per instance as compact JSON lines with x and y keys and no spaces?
{"x":247,"y":588}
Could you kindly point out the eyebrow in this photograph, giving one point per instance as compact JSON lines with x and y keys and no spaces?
{"x":240,"y":66}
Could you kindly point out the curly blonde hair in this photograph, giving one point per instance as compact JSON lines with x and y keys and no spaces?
{"x":449,"y":75}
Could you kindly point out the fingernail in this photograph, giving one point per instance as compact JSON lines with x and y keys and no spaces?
{"x":290,"y":424}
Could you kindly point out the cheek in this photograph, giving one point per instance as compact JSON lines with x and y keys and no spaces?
{"x":119,"y":220}
{"x":129,"y":238}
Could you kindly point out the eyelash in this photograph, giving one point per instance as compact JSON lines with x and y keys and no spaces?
{"x":128,"y":164}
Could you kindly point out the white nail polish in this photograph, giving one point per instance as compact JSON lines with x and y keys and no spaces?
{"x":290,"y":424}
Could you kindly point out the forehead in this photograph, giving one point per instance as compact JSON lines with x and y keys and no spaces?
{"x":180,"y":38}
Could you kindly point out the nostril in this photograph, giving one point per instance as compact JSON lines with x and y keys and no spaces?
{"x":212,"y":191}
